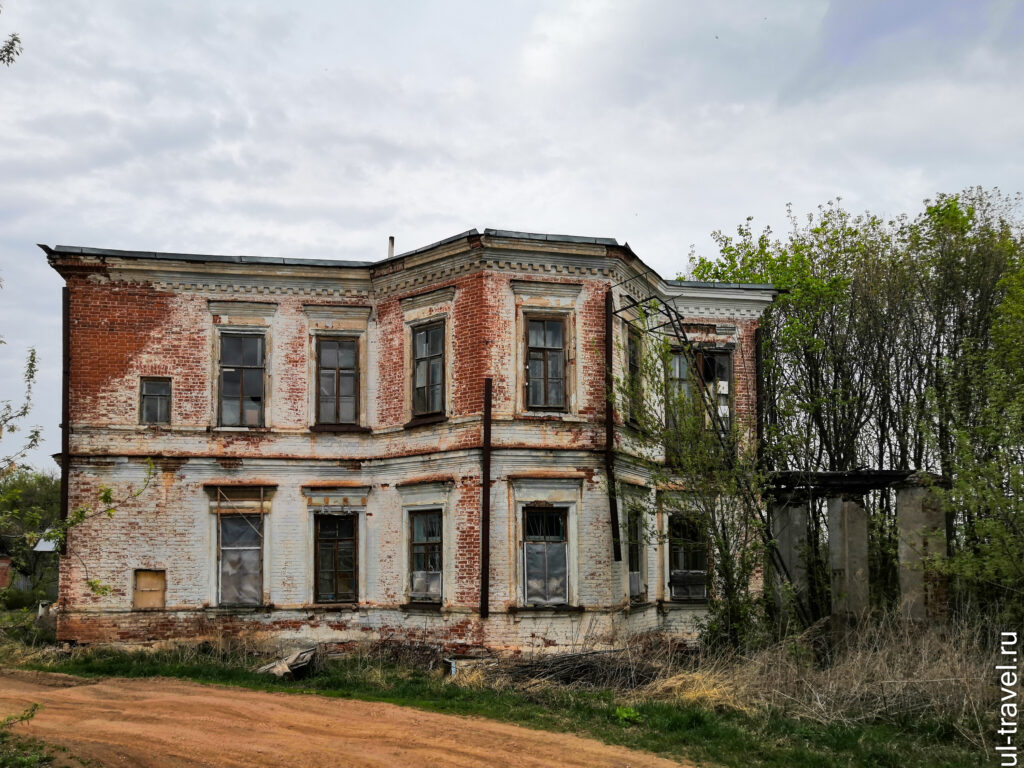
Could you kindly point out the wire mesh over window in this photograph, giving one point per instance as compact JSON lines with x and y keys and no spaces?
{"x":428,"y":369}
{"x":545,"y":371}
{"x":688,"y":558}
{"x":336,"y":564}
{"x":425,"y":555}
{"x":241,"y":380}
{"x":338,"y":376}
{"x":241,"y":559}
{"x":545,"y":556}
{"x":155,"y":401}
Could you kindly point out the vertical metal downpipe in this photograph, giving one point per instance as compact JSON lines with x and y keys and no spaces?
{"x":485,"y":506}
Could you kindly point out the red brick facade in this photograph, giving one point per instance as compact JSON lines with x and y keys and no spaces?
{"x":135,"y":315}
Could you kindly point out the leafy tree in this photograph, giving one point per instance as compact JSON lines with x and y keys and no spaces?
{"x":10,"y":49}
{"x":29,"y":506}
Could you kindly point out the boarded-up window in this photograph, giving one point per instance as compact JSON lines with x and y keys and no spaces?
{"x":336,"y":565}
{"x":545,"y":556}
{"x":241,"y":559}
{"x":150,"y":587}
{"x":688,"y":558}
{"x":425,"y":555}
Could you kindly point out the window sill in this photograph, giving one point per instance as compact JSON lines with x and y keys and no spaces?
{"x":668,"y":605}
{"x":420,"y":421}
{"x":240,"y":429}
{"x":329,"y":607}
{"x":414,"y":606}
{"x":514,"y":609}
{"x":343,"y":428}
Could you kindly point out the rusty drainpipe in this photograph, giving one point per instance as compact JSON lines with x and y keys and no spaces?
{"x":65,"y":408}
{"x":485,"y":507}
{"x":609,"y":425}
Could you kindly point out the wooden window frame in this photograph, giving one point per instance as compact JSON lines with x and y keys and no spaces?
{"x":258,"y":515}
{"x":546,"y":318}
{"x":354,"y":598}
{"x":143,"y":381}
{"x":355,"y":371}
{"x":562,"y":511}
{"x":688,"y":544}
{"x":635,"y":546}
{"x":413,"y":543}
{"x":262,"y":367}
{"x":426,"y":328}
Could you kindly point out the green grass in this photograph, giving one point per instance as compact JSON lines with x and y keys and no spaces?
{"x":673,"y":730}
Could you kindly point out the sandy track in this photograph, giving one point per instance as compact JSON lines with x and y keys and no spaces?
{"x":160,"y":723}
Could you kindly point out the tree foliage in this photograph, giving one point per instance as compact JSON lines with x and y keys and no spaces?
{"x":10,"y":49}
{"x":896,"y":344}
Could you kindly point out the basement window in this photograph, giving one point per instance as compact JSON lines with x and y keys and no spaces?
{"x":155,"y":401}
{"x":425,"y":555}
{"x":149,"y":590}
{"x":545,"y":556}
{"x":688,"y":559}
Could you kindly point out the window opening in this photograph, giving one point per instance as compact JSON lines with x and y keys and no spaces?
{"x":545,"y":555}
{"x":545,"y":371}
{"x":428,"y":369}
{"x":241,"y":380}
{"x":338,"y":376}
{"x":425,"y":555}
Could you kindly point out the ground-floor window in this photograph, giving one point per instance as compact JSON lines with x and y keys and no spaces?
{"x":336,"y":563}
{"x":635,"y":549}
{"x":241,"y":559}
{"x":545,"y":556}
{"x":688,"y":558}
{"x":425,"y":555}
{"x":148,"y":590}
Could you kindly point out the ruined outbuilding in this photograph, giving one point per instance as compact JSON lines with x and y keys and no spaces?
{"x":416,"y":448}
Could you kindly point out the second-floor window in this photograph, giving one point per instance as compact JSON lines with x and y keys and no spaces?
{"x":715,"y":368}
{"x":241,"y":380}
{"x":428,"y":369}
{"x":634,"y":392}
{"x":545,"y":368}
{"x":338,"y":374}
{"x":155,"y":401}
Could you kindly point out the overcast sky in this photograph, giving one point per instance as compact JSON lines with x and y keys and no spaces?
{"x":318,"y":130}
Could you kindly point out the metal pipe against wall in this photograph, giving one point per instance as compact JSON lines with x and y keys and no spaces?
{"x":485,"y":506}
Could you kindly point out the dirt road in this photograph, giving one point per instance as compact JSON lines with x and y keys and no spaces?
{"x":159,"y":723}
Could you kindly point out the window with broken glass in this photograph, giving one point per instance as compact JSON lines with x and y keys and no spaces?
{"x":545,"y":556}
{"x":688,"y":558}
{"x":428,"y":369}
{"x":241,"y":559}
{"x":715,"y":368}
{"x":336,"y":573}
{"x":425,"y":556}
{"x":241,"y":380}
{"x":545,"y":367}
{"x":155,"y":401}
{"x":338,"y":377}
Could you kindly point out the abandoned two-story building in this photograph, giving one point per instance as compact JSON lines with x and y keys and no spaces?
{"x":417,"y":448}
